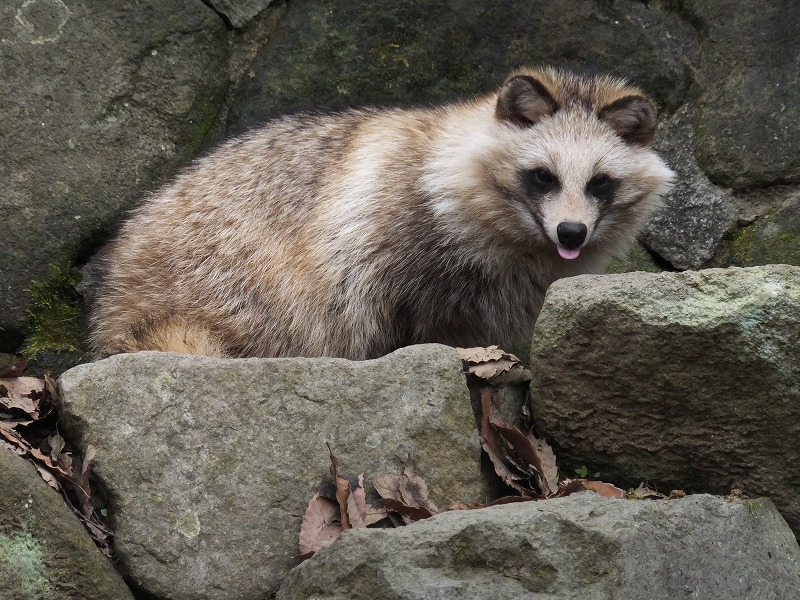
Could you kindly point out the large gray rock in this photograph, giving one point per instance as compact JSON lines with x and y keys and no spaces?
{"x":747,"y":114}
{"x":689,"y":230}
{"x":210,"y":463}
{"x":99,"y":102}
{"x":345,"y":52}
{"x":45,"y":553}
{"x":685,"y":380}
{"x":583,"y":547}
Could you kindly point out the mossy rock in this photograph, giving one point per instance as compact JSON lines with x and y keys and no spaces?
{"x":772,"y":240}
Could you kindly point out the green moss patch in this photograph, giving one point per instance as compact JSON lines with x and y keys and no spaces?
{"x":57,"y":318}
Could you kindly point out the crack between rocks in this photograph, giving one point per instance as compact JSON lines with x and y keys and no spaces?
{"x":221,"y":15}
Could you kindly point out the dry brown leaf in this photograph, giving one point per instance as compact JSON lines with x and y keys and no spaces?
{"x":375,"y":515}
{"x":15,"y":449}
{"x":481,"y":354}
{"x":17,"y":422}
{"x":49,"y":478}
{"x":414,"y":489}
{"x":56,"y":443}
{"x":360,"y":513}
{"x":408,"y":513}
{"x":82,"y":474}
{"x":569,"y":486}
{"x":388,"y":486}
{"x":22,"y":393}
{"x":496,"y":448}
{"x":342,"y":489}
{"x":494,"y":365}
{"x":342,"y":494}
{"x":406,"y":495}
{"x":549,"y":465}
{"x":525,"y":453}
{"x":603,"y":489}
{"x":320,"y":526}
{"x":51,"y":388}
{"x":13,"y":437}
{"x":354,"y":515}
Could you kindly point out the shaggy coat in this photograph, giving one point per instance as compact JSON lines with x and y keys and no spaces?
{"x":356,"y":233}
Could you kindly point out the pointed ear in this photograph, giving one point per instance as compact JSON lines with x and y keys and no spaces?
{"x":524,"y":101}
{"x":633,"y":118}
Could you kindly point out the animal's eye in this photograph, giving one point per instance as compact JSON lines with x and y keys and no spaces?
{"x":543,"y":177}
{"x":539,"y":181}
{"x":602,"y":187}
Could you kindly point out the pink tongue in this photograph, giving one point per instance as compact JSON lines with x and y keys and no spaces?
{"x":567,"y":253}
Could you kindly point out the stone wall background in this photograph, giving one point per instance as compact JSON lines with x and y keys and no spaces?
{"x":103,"y":101}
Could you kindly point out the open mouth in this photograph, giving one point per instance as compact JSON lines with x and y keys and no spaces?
{"x":568,"y":253}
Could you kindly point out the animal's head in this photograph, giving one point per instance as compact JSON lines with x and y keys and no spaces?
{"x":572,"y":158}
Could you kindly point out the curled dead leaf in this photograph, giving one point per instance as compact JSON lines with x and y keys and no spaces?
{"x":494,"y":365}
{"x":320,"y":526}
{"x":22,"y":393}
{"x":408,"y":513}
{"x":388,"y":485}
{"x":522,"y":461}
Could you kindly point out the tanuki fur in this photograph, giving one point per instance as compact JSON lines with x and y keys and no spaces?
{"x":356,"y":233}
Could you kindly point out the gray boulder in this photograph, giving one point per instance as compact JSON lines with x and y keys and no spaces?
{"x":410,"y":52}
{"x":99,"y":103}
{"x":748,"y":76}
{"x":690,"y":228}
{"x":583,"y":547}
{"x":211,"y":463}
{"x":684,"y":380}
{"x":45,"y":553}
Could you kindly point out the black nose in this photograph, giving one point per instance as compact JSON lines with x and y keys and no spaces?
{"x":571,"y":235}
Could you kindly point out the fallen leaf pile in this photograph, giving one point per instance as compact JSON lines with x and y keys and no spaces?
{"x":525,"y":463}
{"x":497,"y":367}
{"x":29,"y":427}
{"x":341,"y":504}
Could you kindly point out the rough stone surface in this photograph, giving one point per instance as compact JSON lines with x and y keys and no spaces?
{"x":684,"y":380}
{"x":747,"y":117}
{"x":771,"y":239}
{"x":45,"y":553}
{"x":209,"y":463}
{"x":98,"y":103}
{"x":583,"y":547}
{"x":339,"y":53}
{"x":689,"y":230}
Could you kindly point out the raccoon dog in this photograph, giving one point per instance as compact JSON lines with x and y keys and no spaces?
{"x":356,"y":233}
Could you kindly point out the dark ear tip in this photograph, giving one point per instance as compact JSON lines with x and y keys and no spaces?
{"x":634,"y":118}
{"x":524,"y":100}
